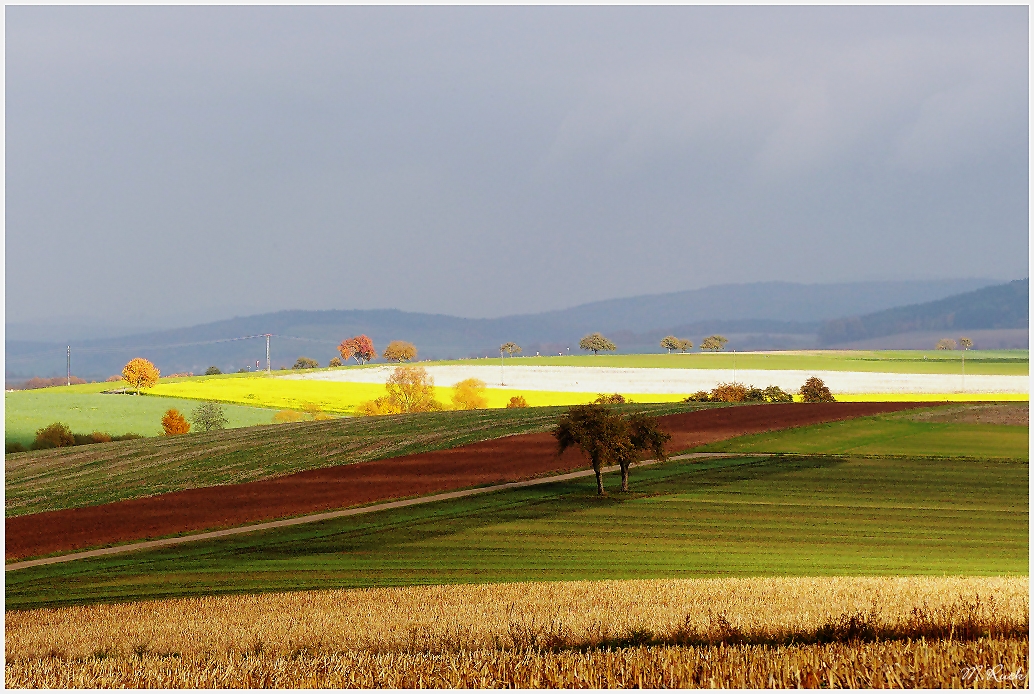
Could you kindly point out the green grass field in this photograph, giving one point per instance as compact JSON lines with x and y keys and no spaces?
{"x":101,"y":473}
{"x":28,"y":410}
{"x":989,"y":362}
{"x":740,"y":517}
{"x":891,"y":434}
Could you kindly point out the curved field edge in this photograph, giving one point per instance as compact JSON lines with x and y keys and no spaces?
{"x":756,"y":516}
{"x":102,"y":473}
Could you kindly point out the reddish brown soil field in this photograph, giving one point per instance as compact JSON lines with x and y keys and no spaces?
{"x":489,"y":462}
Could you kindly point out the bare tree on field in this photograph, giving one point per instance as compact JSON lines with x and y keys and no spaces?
{"x":510,"y":348}
{"x":714,"y":343}
{"x":946,"y":343}
{"x":596,"y":343}
{"x":671,"y":342}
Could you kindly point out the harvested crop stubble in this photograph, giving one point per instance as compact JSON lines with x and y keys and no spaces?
{"x":517,"y":616}
{"x":985,"y":663}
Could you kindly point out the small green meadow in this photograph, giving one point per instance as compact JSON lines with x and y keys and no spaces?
{"x":25,"y":411}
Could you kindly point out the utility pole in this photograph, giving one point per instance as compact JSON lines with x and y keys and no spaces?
{"x":267,"y":352}
{"x":68,"y":365}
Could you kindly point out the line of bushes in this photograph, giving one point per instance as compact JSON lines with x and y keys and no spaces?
{"x":813,"y":390}
{"x":58,"y":435}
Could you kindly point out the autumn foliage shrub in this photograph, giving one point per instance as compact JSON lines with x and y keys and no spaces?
{"x":285,"y":416}
{"x":174,"y":423}
{"x":56,"y":435}
{"x":815,"y":390}
{"x":517,"y":401}
{"x":729,"y":392}
{"x":612,"y":399}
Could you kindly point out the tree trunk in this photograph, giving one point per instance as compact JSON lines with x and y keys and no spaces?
{"x":599,"y":478}
{"x":624,"y":478}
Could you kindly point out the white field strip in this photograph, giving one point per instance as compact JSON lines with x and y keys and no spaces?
{"x":590,"y":379}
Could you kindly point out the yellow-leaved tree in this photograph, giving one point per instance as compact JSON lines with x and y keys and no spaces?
{"x":140,"y":373}
{"x":469,"y":394}
{"x":410,"y":389}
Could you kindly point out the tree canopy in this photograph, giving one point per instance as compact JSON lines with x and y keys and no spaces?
{"x":359,"y":348}
{"x":399,"y":351}
{"x":208,"y":416}
{"x":671,"y":342}
{"x":469,"y":394}
{"x":140,"y":373}
{"x":596,"y":343}
{"x":510,"y":348}
{"x":714,"y":343}
{"x":608,"y":438}
{"x":815,"y":390}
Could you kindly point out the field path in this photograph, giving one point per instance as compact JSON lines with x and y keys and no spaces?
{"x":498,"y":461}
{"x":316,"y":517}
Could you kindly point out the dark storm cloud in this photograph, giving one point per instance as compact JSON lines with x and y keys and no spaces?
{"x":482,"y":161}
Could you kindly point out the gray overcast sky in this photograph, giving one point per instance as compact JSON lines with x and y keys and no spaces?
{"x":207,"y":161}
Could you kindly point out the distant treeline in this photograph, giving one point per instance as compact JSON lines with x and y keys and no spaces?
{"x":990,"y":308}
{"x":37,"y":382}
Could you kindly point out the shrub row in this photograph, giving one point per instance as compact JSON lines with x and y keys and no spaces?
{"x":813,"y":390}
{"x":58,"y":435}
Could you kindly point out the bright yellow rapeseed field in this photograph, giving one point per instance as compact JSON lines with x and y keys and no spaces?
{"x":344,"y":397}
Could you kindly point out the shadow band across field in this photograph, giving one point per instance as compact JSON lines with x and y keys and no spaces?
{"x":497,"y":461}
{"x":835,"y":516}
{"x":168,"y":542}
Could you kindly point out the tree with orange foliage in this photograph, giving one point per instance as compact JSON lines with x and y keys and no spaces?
{"x":359,"y":348}
{"x":174,"y":423}
{"x":140,"y":373}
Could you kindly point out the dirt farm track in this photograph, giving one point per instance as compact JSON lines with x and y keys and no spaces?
{"x":490,"y":462}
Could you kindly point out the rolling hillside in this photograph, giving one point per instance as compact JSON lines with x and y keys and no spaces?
{"x":769,"y":315}
{"x":1004,"y":306}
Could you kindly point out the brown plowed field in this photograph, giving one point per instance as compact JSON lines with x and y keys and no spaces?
{"x":489,"y":462}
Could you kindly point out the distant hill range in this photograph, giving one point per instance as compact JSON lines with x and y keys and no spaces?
{"x":766,"y":315}
{"x":1002,"y":307}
